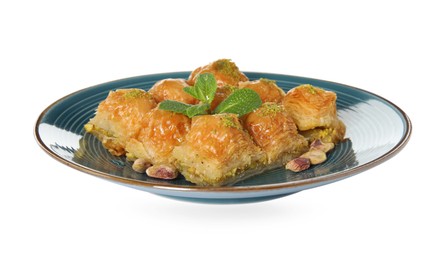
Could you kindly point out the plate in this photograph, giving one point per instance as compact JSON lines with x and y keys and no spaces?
{"x":376,"y":131}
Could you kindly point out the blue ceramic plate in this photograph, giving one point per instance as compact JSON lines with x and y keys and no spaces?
{"x":376,"y":130}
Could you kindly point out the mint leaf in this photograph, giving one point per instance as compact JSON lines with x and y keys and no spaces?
{"x":182,"y":108}
{"x":204,"y":89}
{"x":174,"y":106}
{"x":200,"y":109}
{"x":240,"y":102}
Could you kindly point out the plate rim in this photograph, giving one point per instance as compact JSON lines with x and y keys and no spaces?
{"x":237,"y":189}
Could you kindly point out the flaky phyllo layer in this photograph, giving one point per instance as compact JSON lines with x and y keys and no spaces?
{"x":215,"y":149}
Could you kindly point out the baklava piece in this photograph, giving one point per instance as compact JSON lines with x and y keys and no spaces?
{"x":217,"y":151}
{"x":314,"y":112}
{"x":160,"y":132}
{"x":276,"y":133}
{"x":225,"y":71}
{"x":118,"y":118}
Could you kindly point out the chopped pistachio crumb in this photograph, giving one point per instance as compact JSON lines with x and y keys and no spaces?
{"x":326,"y":132}
{"x":131,"y":157}
{"x":227,"y":67}
{"x":88,"y":127}
{"x":270,"y":109}
{"x":134,"y":93}
{"x":230,"y":88}
{"x":267,"y":81}
{"x":312,"y":89}
{"x":229,"y":121}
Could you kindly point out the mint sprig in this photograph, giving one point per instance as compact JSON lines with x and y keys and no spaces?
{"x":174,"y":106}
{"x":204,"y":89}
{"x":240,"y":102}
{"x":195,"y":110}
{"x":182,"y":108}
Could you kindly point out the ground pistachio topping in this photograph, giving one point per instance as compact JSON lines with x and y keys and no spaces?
{"x":229,"y":121}
{"x":267,"y":81}
{"x":227,"y":67}
{"x":270,"y":109}
{"x":134,"y":93}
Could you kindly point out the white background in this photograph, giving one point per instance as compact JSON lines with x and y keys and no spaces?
{"x":52,"y":48}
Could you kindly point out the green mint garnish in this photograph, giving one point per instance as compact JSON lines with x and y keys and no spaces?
{"x":195,"y":110}
{"x":182,"y":108}
{"x":174,"y":106}
{"x":204,"y":89}
{"x":240,"y":102}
